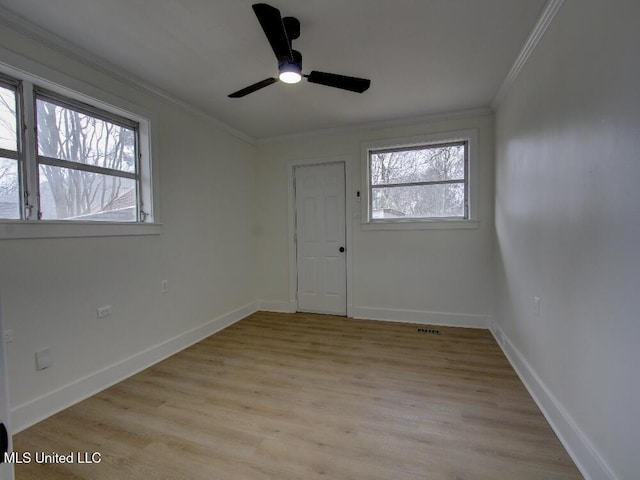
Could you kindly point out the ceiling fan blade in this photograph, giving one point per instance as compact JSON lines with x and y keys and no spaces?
{"x":273,"y":26}
{"x":252,"y":88}
{"x":353,"y":84}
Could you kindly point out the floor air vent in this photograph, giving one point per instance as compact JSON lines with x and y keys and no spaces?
{"x":429,"y":330}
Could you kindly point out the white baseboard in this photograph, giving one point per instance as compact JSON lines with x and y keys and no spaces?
{"x":278,"y":307}
{"x":580,"y":449}
{"x":33,"y":411}
{"x":422,"y":317}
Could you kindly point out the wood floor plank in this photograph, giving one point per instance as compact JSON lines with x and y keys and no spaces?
{"x":302,"y":396}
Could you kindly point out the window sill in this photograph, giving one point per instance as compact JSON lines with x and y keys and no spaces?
{"x":421,"y":225}
{"x":15,"y":229}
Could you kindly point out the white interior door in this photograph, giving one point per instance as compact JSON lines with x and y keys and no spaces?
{"x":320,"y":238}
{"x":6,"y":468}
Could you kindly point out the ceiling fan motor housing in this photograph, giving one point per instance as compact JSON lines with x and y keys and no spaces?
{"x":292,"y":27}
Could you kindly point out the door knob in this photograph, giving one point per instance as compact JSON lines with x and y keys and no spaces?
{"x":341,"y":249}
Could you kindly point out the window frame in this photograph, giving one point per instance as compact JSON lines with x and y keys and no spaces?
{"x":470,"y":219}
{"x":94,"y":102}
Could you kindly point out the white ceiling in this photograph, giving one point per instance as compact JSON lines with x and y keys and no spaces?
{"x":423,"y":56}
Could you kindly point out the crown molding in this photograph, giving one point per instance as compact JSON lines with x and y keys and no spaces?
{"x":546,"y":17}
{"x":435,"y":117}
{"x":30,"y":30}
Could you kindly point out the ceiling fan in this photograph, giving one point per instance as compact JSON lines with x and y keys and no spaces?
{"x":280,"y":33}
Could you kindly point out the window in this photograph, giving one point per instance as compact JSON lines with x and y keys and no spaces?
{"x":87,"y":162}
{"x":9,"y":154}
{"x":76,"y":161}
{"x":419,"y":181}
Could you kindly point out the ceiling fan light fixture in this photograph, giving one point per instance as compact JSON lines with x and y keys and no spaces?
{"x":290,"y":73}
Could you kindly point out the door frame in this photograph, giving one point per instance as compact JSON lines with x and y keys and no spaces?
{"x":348,"y":218}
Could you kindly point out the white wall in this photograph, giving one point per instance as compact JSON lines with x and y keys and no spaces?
{"x":568,"y":228}
{"x":423,"y":271}
{"x":52,"y":287}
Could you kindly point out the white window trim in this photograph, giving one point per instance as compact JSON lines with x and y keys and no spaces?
{"x":470,"y":136}
{"x":30,"y":72}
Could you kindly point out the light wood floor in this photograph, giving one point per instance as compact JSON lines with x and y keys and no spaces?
{"x":280,"y":396}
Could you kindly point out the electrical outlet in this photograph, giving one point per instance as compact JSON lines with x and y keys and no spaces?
{"x":164,"y":286}
{"x":43,"y":359}
{"x":104,"y":311}
{"x":8,"y":336}
{"x":536,"y":306}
